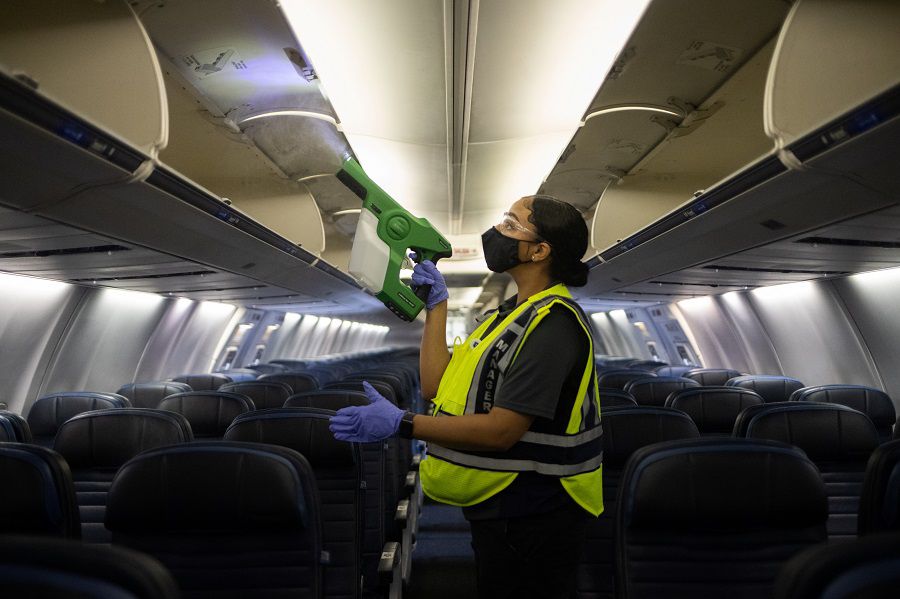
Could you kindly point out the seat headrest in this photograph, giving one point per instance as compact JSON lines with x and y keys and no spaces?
{"x":771,"y":388}
{"x":722,"y":485}
{"x":874,"y":403}
{"x":37,"y":493}
{"x":148,"y":395}
{"x":20,"y":426}
{"x":203,"y":382}
{"x":327,"y":399}
{"x":618,"y":378}
{"x":654,"y":391}
{"x":386,"y":390}
{"x":49,"y":412}
{"x":302,"y":429}
{"x":712,"y":377}
{"x":109,"y":438}
{"x":265,"y":394}
{"x":209,"y":412}
{"x":212,"y":487}
{"x":610,"y":398}
{"x":7,"y":431}
{"x":297,"y":381}
{"x":47,"y":567}
{"x":879,"y":506}
{"x":826,"y":432}
{"x":627,"y":430}
{"x":672,"y":370}
{"x":714,"y":409}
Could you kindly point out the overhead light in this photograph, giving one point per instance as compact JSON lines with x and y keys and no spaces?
{"x":303,"y":113}
{"x":632,"y":108}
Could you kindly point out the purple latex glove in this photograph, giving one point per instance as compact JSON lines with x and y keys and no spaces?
{"x":426,"y":273}
{"x":365,"y":424}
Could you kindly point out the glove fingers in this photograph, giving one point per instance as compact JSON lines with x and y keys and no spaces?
{"x":422,"y":280}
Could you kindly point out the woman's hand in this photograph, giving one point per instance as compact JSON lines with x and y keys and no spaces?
{"x":426,"y":273}
{"x":366,"y":424}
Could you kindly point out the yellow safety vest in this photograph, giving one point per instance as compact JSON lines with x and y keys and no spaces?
{"x":470,"y":384}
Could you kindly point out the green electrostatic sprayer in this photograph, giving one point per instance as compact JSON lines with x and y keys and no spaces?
{"x":385,"y":231}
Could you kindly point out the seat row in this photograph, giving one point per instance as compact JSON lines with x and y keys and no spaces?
{"x":691,"y":516}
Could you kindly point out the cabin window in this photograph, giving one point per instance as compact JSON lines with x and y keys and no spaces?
{"x":686,"y":355}
{"x":651,"y":347}
{"x":260,"y":349}
{"x":230,"y":354}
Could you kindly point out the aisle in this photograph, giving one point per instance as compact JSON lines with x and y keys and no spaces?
{"x":443,"y":563}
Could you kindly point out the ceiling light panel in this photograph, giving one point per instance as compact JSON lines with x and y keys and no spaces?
{"x":538,"y":65}
{"x":382,"y":66}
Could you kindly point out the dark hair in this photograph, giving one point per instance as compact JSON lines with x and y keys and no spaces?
{"x":561,"y":225}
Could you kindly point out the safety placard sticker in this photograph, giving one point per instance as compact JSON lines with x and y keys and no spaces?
{"x":710,"y":56}
{"x":210,"y":62}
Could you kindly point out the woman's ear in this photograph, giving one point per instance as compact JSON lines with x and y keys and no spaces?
{"x":541,"y":251}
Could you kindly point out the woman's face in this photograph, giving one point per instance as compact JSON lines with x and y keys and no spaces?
{"x":515,"y":223}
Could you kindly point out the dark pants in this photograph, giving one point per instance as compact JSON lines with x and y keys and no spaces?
{"x":533,"y":556}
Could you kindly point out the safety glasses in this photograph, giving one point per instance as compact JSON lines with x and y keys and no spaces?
{"x":509,"y":224}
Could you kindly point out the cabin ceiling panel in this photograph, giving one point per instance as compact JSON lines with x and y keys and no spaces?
{"x":688,"y":48}
{"x":233,"y":52}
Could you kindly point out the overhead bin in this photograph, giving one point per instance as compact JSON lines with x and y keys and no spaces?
{"x":832,"y":56}
{"x":92,"y":57}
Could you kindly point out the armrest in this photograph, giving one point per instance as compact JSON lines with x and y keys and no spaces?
{"x":390,"y":556}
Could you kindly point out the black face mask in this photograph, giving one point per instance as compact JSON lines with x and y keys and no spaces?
{"x":500,"y":252}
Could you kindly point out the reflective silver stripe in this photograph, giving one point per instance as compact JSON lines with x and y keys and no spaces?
{"x":480,"y":463}
{"x":507,"y":357}
{"x":563,"y":440}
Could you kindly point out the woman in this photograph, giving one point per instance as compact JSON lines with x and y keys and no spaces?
{"x":515,"y":439}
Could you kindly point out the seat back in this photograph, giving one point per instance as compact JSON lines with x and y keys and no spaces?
{"x":874,"y":403}
{"x":209,"y":412}
{"x":21,"y":430}
{"x":265,"y":394}
{"x":714,"y":409}
{"x":715,"y":517}
{"x":711,"y":377}
{"x":614,"y":398}
{"x":61,"y":569}
{"x":838,"y":439}
{"x":648,"y":365}
{"x":864,"y":568}
{"x":37,"y":494}
{"x":269,"y":368}
{"x":879,"y":503}
{"x":625,"y":430}
{"x":203,"y":382}
{"x":7,"y":431}
{"x":148,"y":395}
{"x":49,"y":412}
{"x":655,"y":390}
{"x":297,"y":381}
{"x":620,"y":377}
{"x":770,"y":387}
{"x":227,"y":519}
{"x":96,"y":444}
{"x":338,"y":469}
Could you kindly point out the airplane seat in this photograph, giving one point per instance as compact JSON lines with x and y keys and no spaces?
{"x":148,"y":395}
{"x":620,"y":377}
{"x":879,"y":503}
{"x":654,"y":391}
{"x":208,"y":412}
{"x":268,"y":368}
{"x":61,"y":568}
{"x":48,"y":413}
{"x":21,"y":430}
{"x":240,"y":375}
{"x":402,"y":394}
{"x":868,"y":567}
{"x":838,"y":439}
{"x":715,"y":517}
{"x":96,"y":444}
{"x":673,"y":370}
{"x":203,"y":382}
{"x":771,"y":388}
{"x":648,"y":365}
{"x":297,"y":381}
{"x":265,"y":394}
{"x":874,"y":403}
{"x":227,"y":519}
{"x":337,"y":467}
{"x":625,"y":430}
{"x":37,"y":493}
{"x":711,"y":377}
{"x":7,"y":431}
{"x":614,"y":398}
{"x":714,"y":409}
